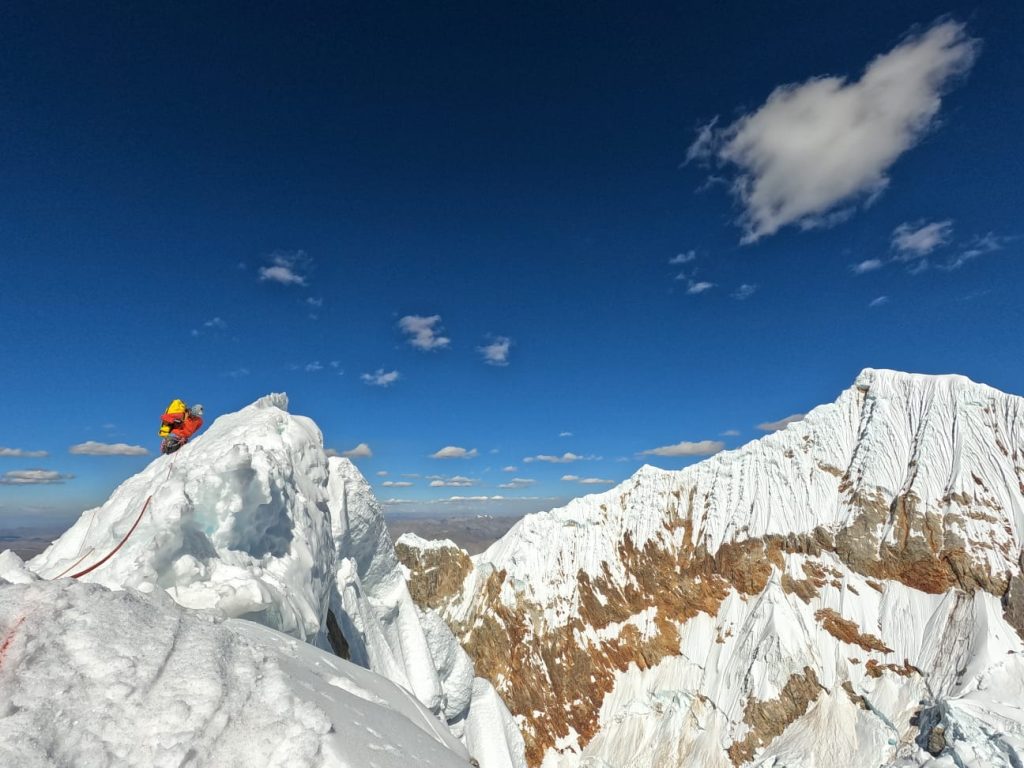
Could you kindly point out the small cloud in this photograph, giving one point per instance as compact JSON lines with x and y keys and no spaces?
{"x":382,"y":473}
{"x":237,"y":373}
{"x":731,"y":433}
{"x":92,"y":448}
{"x":458,"y":481}
{"x":565,"y":458}
{"x":361,"y":451}
{"x":683,"y":258}
{"x":774,"y":426}
{"x":313,"y":367}
{"x":517,"y":483}
{"x":33,"y":477}
{"x":914,"y":241}
{"x":587,"y":480}
{"x":20,"y":453}
{"x":285,"y":268}
{"x":565,"y":434}
{"x":869,"y":265}
{"x":454,"y":452}
{"x":379,"y":378}
{"x":397,"y":484}
{"x":979,"y":246}
{"x":701,"y":448}
{"x":510,"y":469}
{"x":496,"y":353}
{"x":424,"y":332}
{"x":694,"y":288}
{"x":880,"y":301}
{"x":216,"y":324}
{"x":744,"y":292}
{"x":314,"y":303}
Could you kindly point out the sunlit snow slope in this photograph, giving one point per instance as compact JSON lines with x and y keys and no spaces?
{"x":251,"y":520}
{"x":845,"y":592}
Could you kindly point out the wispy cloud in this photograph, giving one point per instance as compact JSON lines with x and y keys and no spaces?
{"x":566,"y":458}
{"x":775,"y":426}
{"x":216,"y":324}
{"x":683,"y":258}
{"x":744,"y":292}
{"x":868,"y":265}
{"x":93,"y":448}
{"x":693,"y":288}
{"x":454,"y":452}
{"x":914,"y":241}
{"x":510,"y":469}
{"x":285,"y":268}
{"x":34,"y":477}
{"x":816,"y":146}
{"x":382,"y":473}
{"x":424,"y":332}
{"x":880,"y":301}
{"x":380,"y":378}
{"x":496,"y":353}
{"x":517,"y":483}
{"x":237,"y":373}
{"x":565,"y":434}
{"x":397,"y":484}
{"x":587,"y":480}
{"x":21,"y":453}
{"x":700,"y":448}
{"x":313,"y":367}
{"x":457,"y":481}
{"x":315,"y":303}
{"x":731,"y":433}
{"x":361,"y":451}
{"x":979,"y":246}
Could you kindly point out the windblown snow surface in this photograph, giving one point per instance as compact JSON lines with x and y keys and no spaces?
{"x":846,"y":592}
{"x":249,"y":524}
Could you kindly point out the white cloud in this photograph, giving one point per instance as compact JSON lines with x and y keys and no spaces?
{"x":458,"y":481}
{"x":454,"y":452}
{"x":379,"y":378}
{"x":915,"y":241}
{"x":496,"y":353}
{"x":216,"y":324}
{"x":565,"y":434}
{"x":20,"y":453}
{"x":979,"y":246}
{"x":424,"y":332}
{"x":510,"y":469}
{"x":868,"y":265}
{"x":815,"y":146}
{"x":397,"y":484}
{"x":774,"y":426}
{"x":695,"y":288}
{"x":517,"y":482}
{"x":92,"y":448}
{"x":880,"y":301}
{"x":361,"y":451}
{"x":587,"y":480}
{"x":683,"y":258}
{"x":237,"y":373}
{"x":566,"y":458}
{"x":314,"y":367}
{"x":315,"y":303}
{"x":33,"y":477}
{"x":382,"y":473}
{"x":731,"y":433}
{"x":285,"y":268}
{"x":744,"y":292}
{"x":701,"y":448}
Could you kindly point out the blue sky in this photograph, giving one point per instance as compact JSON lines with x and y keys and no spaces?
{"x":518,"y":231}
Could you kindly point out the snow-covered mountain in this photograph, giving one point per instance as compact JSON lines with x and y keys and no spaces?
{"x":249,"y":524}
{"x":845,"y":592}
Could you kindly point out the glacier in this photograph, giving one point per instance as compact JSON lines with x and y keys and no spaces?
{"x":252,"y":529}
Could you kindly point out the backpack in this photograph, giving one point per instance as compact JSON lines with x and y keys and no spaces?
{"x":173,"y":417}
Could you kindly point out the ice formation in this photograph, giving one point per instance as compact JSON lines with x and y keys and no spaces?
{"x":252,"y":521}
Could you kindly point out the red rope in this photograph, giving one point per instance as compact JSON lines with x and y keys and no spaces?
{"x":119,"y":544}
{"x":74,"y":564}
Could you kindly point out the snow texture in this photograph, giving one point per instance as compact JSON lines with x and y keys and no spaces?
{"x":251,"y":520}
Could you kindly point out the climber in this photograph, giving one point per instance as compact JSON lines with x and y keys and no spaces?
{"x":178,"y":424}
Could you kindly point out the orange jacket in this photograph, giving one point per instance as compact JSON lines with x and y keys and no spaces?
{"x":188,"y":428}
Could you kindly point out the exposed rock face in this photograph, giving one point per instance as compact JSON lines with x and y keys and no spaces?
{"x":437,"y":569}
{"x":697,"y":616}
